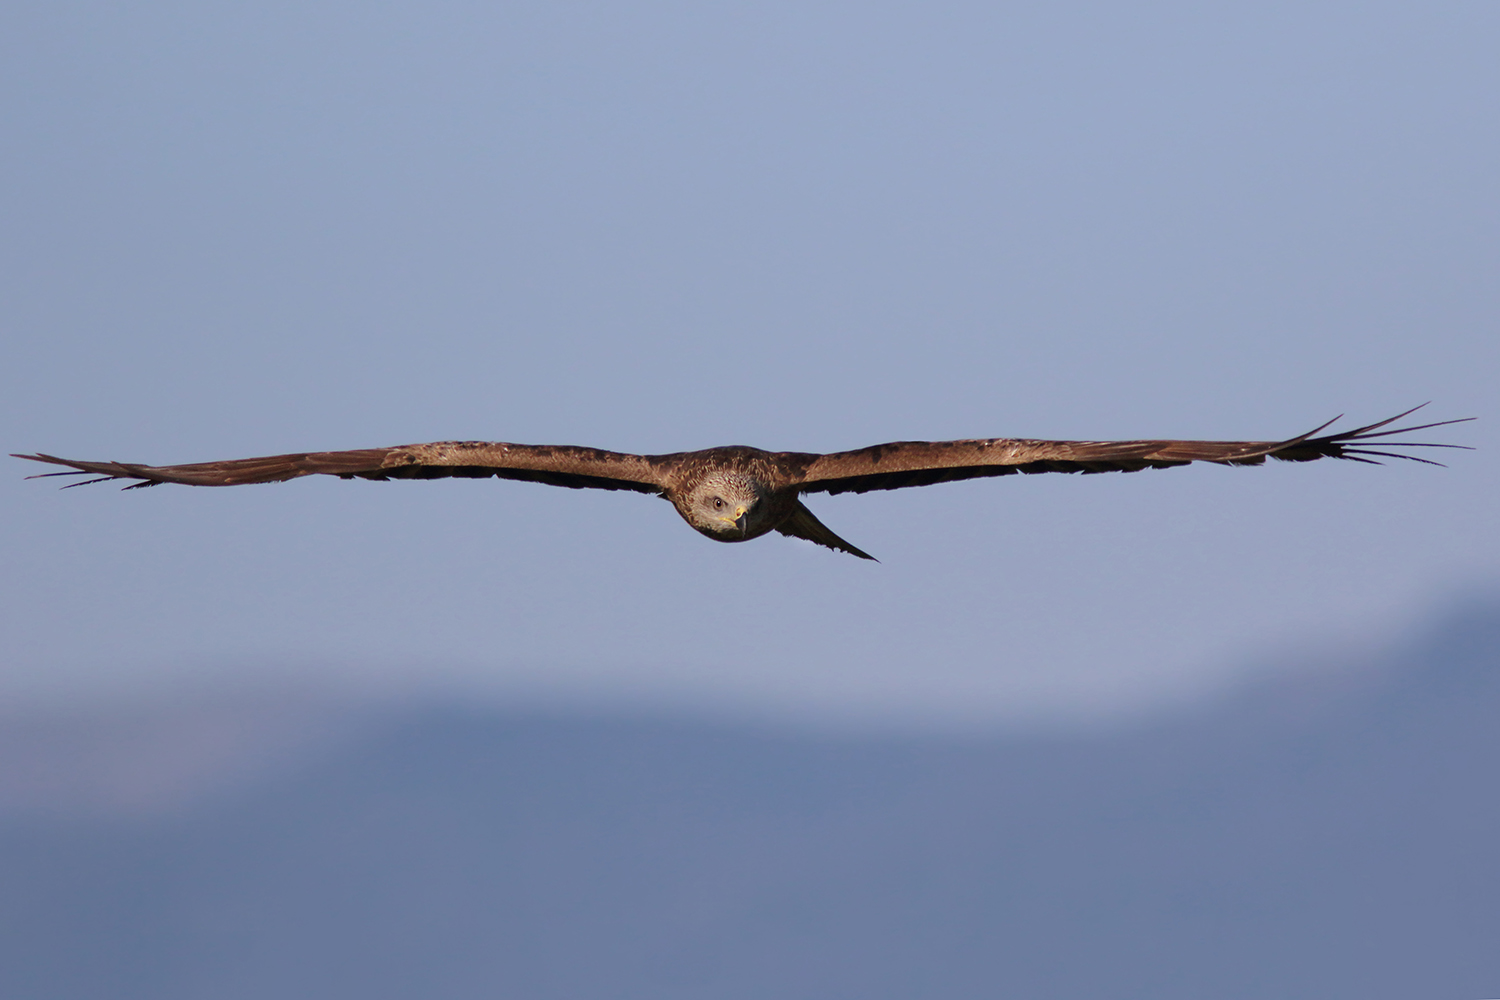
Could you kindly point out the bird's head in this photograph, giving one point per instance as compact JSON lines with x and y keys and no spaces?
{"x":727,"y":506}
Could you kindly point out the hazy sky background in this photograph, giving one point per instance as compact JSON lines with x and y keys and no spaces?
{"x":233,"y":230}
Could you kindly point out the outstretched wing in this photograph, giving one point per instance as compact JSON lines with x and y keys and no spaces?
{"x":557,"y":465}
{"x":921,"y":463}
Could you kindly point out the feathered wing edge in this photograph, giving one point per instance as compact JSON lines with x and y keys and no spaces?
{"x":922,"y":463}
{"x":562,"y":465}
{"x":1306,"y":448}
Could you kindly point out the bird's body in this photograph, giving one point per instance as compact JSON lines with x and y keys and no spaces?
{"x":731,"y":494}
{"x":736,"y":493}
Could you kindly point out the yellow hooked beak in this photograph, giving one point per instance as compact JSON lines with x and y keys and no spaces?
{"x":738,"y":520}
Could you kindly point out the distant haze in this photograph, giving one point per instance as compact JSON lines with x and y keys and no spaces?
{"x":1331,"y":835}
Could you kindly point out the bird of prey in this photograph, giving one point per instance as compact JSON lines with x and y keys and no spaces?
{"x":736,"y":493}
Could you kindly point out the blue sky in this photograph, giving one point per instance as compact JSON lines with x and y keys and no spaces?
{"x":232,"y":230}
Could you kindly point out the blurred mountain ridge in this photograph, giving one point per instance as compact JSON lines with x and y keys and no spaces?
{"x":1327,"y":833}
{"x":149,"y":758}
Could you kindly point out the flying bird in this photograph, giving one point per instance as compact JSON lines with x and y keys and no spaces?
{"x":736,"y":493}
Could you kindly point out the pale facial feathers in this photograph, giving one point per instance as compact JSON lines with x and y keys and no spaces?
{"x":728,"y":506}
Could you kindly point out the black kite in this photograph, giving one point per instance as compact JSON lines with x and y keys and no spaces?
{"x":737,"y":493}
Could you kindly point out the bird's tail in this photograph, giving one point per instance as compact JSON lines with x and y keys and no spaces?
{"x":802,"y":524}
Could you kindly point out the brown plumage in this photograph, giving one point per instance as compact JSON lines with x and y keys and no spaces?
{"x":737,"y":493}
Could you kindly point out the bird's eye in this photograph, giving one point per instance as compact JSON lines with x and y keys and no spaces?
{"x":718,"y":504}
